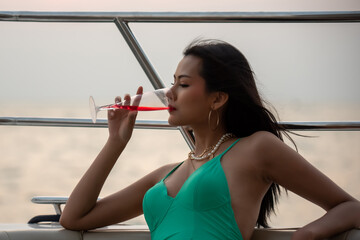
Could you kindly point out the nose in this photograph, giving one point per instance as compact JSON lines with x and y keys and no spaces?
{"x":170,"y":94}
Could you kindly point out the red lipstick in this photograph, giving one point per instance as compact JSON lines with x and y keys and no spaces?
{"x":171,"y":108}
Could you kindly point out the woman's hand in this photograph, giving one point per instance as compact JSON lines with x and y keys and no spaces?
{"x":121,"y":122}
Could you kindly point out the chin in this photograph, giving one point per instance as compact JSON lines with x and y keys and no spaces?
{"x":174,"y":122}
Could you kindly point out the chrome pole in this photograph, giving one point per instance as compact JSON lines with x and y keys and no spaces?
{"x":154,"y":124}
{"x":139,"y":53}
{"x":76,"y":122}
{"x":209,"y":17}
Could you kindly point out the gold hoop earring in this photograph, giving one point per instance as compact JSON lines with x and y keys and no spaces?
{"x":217,"y":120}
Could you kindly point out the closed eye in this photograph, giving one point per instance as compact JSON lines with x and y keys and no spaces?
{"x":181,"y":85}
{"x":177,"y":80}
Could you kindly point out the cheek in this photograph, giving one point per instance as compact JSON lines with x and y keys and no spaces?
{"x":190,"y":111}
{"x":194,"y":102}
{"x":195,"y":107}
{"x":195,"y":96}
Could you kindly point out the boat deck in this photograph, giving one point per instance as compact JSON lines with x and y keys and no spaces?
{"x":53,"y":231}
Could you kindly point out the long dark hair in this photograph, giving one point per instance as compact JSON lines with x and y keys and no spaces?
{"x":226,"y":69}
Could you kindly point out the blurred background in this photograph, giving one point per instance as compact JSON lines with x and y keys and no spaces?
{"x":307,"y":71}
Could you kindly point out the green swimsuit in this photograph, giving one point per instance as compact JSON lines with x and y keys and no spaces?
{"x":201,"y":209}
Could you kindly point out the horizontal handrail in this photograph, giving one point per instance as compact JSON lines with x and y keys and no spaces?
{"x":49,"y":200}
{"x":325,"y":16}
{"x":322,"y":126}
{"x":55,"y":201}
{"x":156,"y":124}
{"x":77,"y":122}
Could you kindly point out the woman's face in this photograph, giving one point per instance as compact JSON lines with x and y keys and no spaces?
{"x":188,"y":94}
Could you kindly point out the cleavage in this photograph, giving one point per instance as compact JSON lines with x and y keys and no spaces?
{"x":177,"y":179}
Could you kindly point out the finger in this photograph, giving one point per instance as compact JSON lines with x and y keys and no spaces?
{"x":140,"y":90}
{"x":137,"y":99}
{"x":127,"y":99}
{"x":117,"y":99}
{"x":110,"y":114}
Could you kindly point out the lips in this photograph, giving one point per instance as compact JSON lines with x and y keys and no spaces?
{"x":171,"y":108}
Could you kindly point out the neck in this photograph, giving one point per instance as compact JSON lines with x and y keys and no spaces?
{"x":205,"y":138}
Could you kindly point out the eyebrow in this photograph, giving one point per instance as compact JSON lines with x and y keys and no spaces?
{"x":182,"y":76}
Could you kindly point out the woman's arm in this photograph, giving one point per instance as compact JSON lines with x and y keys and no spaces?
{"x":342,"y":217}
{"x":82,"y":210}
{"x":283,"y":165}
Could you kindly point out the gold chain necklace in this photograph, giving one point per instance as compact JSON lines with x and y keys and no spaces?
{"x":206,"y":150}
{"x":210,"y":150}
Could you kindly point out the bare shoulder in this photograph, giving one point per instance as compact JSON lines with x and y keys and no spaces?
{"x":253,"y":153}
{"x":264,"y":149}
{"x":263,"y":138}
{"x":260,"y":142}
{"x":255,"y":144}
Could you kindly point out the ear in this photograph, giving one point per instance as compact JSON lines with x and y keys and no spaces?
{"x":219,"y":100}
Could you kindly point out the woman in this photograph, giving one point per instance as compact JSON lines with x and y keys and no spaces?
{"x":230,"y":183}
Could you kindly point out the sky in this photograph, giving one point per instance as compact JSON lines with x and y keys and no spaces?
{"x":62,"y":63}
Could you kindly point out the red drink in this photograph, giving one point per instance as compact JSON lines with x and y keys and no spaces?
{"x":156,"y":99}
{"x":136,"y":108}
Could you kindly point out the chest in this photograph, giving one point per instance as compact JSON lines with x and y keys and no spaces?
{"x":202,"y":189}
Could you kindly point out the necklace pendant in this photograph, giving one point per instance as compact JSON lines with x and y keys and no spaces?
{"x":211,"y":156}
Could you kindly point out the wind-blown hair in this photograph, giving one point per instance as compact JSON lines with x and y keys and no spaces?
{"x":225,"y":69}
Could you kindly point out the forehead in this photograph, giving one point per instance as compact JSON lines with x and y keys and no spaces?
{"x":189,"y":65}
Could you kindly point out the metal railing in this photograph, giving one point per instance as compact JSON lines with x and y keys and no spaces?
{"x":77,"y":122}
{"x":171,"y":17}
{"x":121,"y":20}
{"x":155,"y":124}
